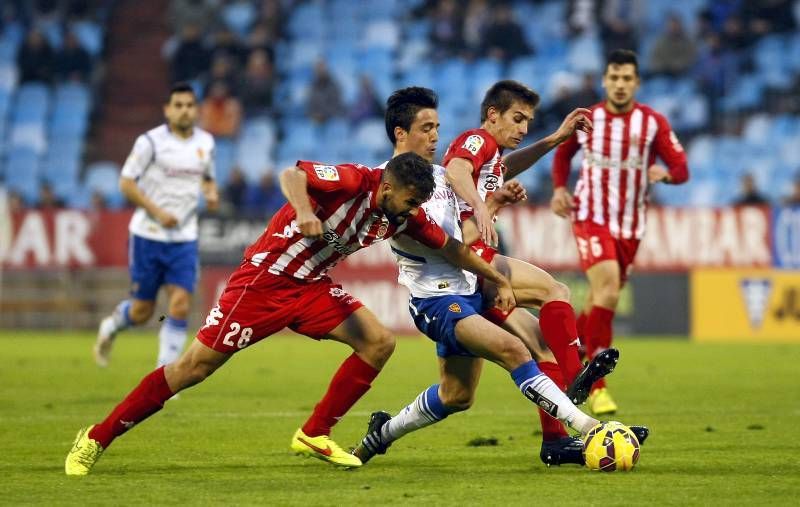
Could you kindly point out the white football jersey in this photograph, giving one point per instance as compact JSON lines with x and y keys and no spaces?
{"x":424,"y":271}
{"x":169,"y":171}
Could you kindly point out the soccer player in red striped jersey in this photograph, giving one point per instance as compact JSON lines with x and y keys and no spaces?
{"x":332,"y":212}
{"x":610,"y":200}
{"x":476,"y":167}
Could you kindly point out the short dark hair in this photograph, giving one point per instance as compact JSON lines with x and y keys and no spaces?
{"x":504,"y":93}
{"x":404,"y":104}
{"x":621,"y":57}
{"x":410,"y":170}
{"x":181,"y":87}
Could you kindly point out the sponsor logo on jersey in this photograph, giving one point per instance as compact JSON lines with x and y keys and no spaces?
{"x":491,"y":182}
{"x":755,"y":293}
{"x":473,"y":144}
{"x":443,"y":285}
{"x":455,"y":308}
{"x":334,"y":240}
{"x":326,"y":172}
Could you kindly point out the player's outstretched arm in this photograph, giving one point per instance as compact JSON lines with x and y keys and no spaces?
{"x":294,"y":185}
{"x":510,"y":193}
{"x":520,"y":160}
{"x":459,"y":254}
{"x":459,"y":175}
{"x":131,"y":191}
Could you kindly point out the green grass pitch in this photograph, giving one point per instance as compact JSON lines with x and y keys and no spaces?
{"x":723,"y":419}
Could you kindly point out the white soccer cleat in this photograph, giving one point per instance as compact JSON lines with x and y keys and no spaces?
{"x":105,"y":340}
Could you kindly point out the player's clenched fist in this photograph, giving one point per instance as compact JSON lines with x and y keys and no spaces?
{"x":504,"y":299}
{"x":310,"y":226}
{"x":166,"y":219}
{"x":576,"y":120}
{"x":511,"y":192}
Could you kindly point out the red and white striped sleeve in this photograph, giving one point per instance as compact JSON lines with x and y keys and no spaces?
{"x":669,"y":149}
{"x":425,"y":230}
{"x":563,"y":161}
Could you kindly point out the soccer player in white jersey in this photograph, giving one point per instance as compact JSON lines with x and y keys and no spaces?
{"x":167,"y":170}
{"x":446,"y":305}
{"x":610,"y":201}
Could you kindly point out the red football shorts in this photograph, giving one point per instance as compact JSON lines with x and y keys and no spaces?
{"x":256,"y":304}
{"x":596,"y":244}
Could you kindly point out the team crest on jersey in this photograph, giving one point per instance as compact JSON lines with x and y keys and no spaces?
{"x":454,"y":308}
{"x":200,"y":153}
{"x":382,"y":229}
{"x":473,"y":144}
{"x":326,"y":172}
{"x":491,"y":183}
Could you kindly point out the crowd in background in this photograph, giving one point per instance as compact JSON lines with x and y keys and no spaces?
{"x":230,"y":51}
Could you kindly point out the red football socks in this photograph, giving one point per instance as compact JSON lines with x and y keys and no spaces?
{"x":598,"y":334}
{"x":145,"y":400}
{"x":552,"y":429}
{"x":557,"y":321}
{"x":348,"y":385}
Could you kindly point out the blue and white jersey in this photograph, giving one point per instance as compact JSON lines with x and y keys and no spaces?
{"x":424,"y":271}
{"x":169,"y":171}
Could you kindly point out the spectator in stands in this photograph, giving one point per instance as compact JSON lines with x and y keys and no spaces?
{"x":16,"y":204}
{"x":581,"y":16}
{"x":264,"y":199}
{"x":73,"y":63}
{"x":793,"y":199}
{"x":191,"y":58}
{"x":504,"y":39}
{"x":715,"y":70}
{"x":475,"y":22}
{"x":262,"y":37}
{"x":587,"y":94}
{"x":257,"y":84}
{"x":367,"y":104}
{"x":618,"y":24}
{"x":674,"y":51}
{"x":98,"y":202}
{"x":750,"y":195}
{"x":270,"y":17}
{"x":222,"y":69}
{"x":324,"y":95}
{"x":769,"y":16}
{"x":446,"y":34}
{"x":227,"y":43}
{"x":235,"y":192}
{"x":202,"y":14}
{"x":734,"y":35}
{"x":220,"y":112}
{"x":35,"y":58}
{"x":47,"y":198}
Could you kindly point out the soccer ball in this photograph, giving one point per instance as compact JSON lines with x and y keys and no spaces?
{"x":610,"y":446}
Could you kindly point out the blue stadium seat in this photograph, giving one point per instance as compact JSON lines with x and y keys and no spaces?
{"x":89,"y":35}
{"x":22,"y":173}
{"x":103,"y":177}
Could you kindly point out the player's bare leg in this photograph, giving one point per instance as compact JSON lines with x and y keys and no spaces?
{"x":605,"y":282}
{"x":172,"y":335}
{"x":372,"y":346}
{"x":130,"y":312}
{"x":194,"y":366}
{"x":536,"y":288}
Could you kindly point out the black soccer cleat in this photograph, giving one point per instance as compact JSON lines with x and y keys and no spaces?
{"x":562,"y":451}
{"x":603,"y":363}
{"x":641,"y":432}
{"x":372,"y":443}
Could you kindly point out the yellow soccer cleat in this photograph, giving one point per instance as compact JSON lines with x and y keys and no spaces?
{"x":601,"y":402}
{"x":322,"y":447}
{"x":84,"y":454}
